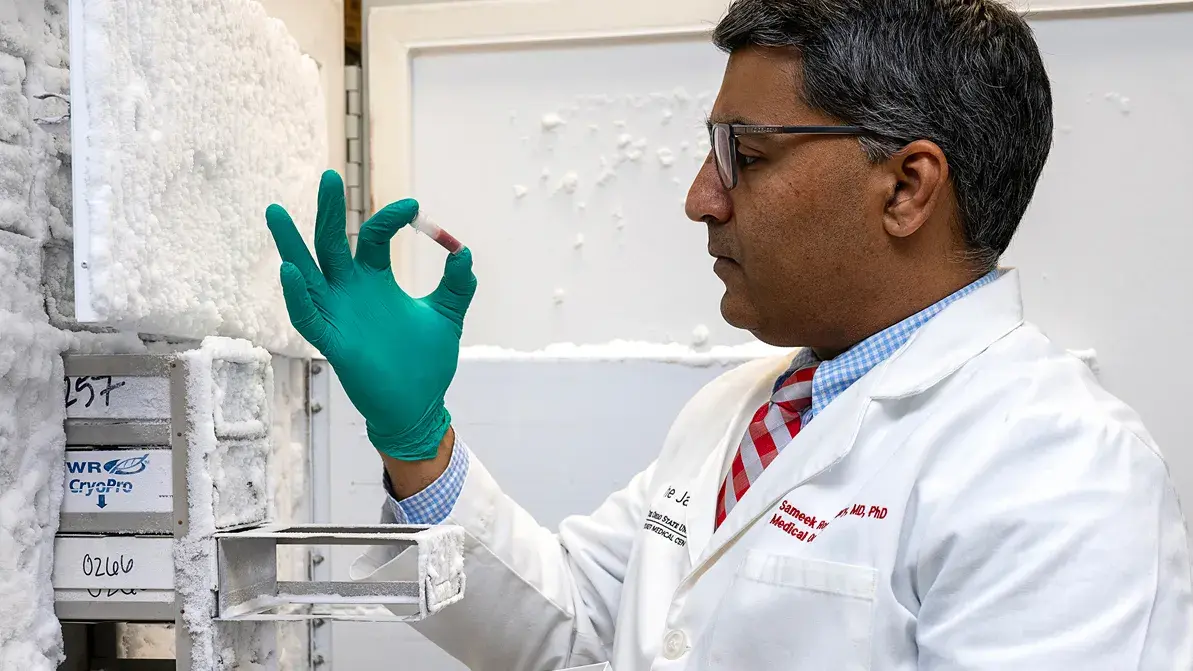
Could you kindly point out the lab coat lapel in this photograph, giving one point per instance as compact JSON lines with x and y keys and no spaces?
{"x":708,"y":479}
{"x":822,"y":443}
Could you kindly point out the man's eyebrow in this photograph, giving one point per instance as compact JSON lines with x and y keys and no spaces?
{"x":735,"y":120}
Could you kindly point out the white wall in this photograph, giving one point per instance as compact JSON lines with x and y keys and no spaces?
{"x":614,"y":256}
{"x":1100,"y":249}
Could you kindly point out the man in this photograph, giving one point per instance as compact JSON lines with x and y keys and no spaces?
{"x":927,"y":483}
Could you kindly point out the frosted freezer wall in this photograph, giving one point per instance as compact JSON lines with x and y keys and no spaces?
{"x":34,"y":209}
{"x":190,"y":118}
{"x":37,"y":222}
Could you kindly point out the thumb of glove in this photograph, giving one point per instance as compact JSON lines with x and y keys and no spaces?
{"x":457,"y":287}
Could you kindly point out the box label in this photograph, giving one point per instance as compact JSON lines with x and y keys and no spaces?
{"x":118,"y":595}
{"x":111,"y":397}
{"x":119,"y":481}
{"x":113,"y":563}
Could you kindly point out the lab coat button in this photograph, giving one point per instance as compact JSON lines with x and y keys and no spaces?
{"x":675,"y":645}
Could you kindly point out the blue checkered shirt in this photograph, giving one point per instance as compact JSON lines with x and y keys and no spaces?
{"x":433,"y":504}
{"x":836,"y":375}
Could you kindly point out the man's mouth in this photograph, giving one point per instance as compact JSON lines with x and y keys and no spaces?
{"x":723,"y":265}
{"x":716,"y":254}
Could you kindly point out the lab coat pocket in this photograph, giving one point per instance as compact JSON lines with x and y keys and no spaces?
{"x":785,"y":612}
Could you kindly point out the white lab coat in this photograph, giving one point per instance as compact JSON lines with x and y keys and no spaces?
{"x":975,"y":502}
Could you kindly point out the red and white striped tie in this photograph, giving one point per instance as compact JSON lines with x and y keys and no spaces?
{"x":774,"y":426}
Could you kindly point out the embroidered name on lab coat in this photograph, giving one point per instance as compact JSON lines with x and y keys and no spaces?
{"x":674,"y":531}
{"x":801,"y":526}
{"x":664,"y":525}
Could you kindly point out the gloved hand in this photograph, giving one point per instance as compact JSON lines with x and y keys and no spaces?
{"x":395,"y":355}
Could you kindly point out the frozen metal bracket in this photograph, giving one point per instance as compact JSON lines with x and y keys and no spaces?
{"x":250,"y":590}
{"x":52,"y":120}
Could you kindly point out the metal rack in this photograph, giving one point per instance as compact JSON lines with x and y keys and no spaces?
{"x":126,"y":503}
{"x":106,"y":520}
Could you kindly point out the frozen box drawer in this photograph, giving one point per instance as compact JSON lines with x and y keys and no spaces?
{"x":114,"y":578}
{"x":118,"y":491}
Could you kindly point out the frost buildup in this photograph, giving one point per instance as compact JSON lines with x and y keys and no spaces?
{"x":240,"y":447}
{"x":229,"y":384}
{"x":32,"y":446}
{"x":32,"y":442}
{"x":199,"y":114}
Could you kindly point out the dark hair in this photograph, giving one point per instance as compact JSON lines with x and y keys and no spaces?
{"x":965,"y":74}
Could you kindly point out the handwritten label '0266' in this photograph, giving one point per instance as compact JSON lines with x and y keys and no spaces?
{"x":113,"y":562}
{"x":104,"y":566}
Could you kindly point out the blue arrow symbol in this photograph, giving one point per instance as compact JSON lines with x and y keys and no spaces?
{"x":103,"y":502}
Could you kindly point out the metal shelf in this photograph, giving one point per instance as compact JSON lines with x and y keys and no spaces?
{"x":249,"y":588}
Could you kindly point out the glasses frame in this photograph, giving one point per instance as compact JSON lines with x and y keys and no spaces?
{"x":723,"y":140}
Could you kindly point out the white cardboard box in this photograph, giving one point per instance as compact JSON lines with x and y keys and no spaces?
{"x":111,"y":397}
{"x":119,"y":481}
{"x":113,"y":563}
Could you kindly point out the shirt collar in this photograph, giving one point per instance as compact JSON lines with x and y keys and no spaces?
{"x":836,"y":375}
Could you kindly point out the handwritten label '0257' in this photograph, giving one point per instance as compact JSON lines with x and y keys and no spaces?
{"x":113,"y":397}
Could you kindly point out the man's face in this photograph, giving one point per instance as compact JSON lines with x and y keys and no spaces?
{"x":801,"y":233}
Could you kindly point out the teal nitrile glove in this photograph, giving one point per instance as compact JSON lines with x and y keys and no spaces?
{"x":395,"y":355}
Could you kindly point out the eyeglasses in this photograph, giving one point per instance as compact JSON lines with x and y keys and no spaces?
{"x":723,"y":137}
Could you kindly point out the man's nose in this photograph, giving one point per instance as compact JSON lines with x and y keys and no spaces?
{"x":707,"y":198}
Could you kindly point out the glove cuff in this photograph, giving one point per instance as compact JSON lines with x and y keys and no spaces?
{"x":418,"y":443}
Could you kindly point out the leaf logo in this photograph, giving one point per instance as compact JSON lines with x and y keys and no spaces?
{"x":130,"y":466}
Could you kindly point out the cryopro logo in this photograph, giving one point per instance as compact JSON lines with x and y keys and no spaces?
{"x":103,"y":487}
{"x":127,"y":466}
{"x":130,"y":466}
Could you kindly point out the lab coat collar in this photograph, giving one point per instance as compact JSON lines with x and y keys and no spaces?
{"x":946,"y":342}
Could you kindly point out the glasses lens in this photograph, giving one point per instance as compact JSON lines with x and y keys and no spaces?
{"x":722,"y":146}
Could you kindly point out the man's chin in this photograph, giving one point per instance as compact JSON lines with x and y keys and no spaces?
{"x":739,"y":313}
{"x":742,"y":315}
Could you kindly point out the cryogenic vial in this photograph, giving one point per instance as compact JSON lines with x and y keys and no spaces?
{"x":423,"y":224}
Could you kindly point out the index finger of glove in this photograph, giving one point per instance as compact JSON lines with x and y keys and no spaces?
{"x":291,"y":246}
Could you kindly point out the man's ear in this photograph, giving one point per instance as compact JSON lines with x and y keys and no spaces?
{"x":921,"y":177}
